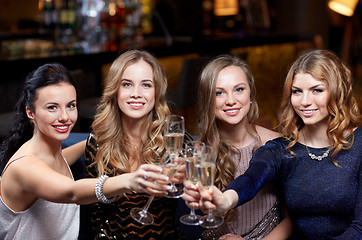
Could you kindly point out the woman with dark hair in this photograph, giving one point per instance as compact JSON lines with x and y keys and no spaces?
{"x":38,"y":195}
{"x":317,"y":162}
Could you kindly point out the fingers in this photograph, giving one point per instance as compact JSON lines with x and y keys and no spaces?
{"x":151,"y":168}
{"x":149,"y":179}
{"x":180,"y":175}
{"x":191,"y":195}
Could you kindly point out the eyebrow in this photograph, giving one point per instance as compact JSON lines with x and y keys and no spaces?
{"x":56,"y":103}
{"x":315,"y":86}
{"x":236,"y":86}
{"x":129,"y":80}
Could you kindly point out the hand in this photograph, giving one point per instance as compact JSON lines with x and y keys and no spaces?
{"x":144,"y":179}
{"x":213,"y":198}
{"x":231,"y":236}
{"x":180,"y":174}
{"x":191,"y":195}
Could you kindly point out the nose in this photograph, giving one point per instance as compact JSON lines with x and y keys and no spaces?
{"x":306,"y":99}
{"x":63,"y":116}
{"x":135,"y":92}
{"x":230,"y":100}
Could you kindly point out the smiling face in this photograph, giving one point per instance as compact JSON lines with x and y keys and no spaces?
{"x":232,"y":96}
{"x":55,"y":111}
{"x":310,"y":99}
{"x":136,"y":93}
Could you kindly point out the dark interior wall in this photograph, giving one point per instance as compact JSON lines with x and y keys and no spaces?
{"x":301,"y":17}
{"x":11,"y":11}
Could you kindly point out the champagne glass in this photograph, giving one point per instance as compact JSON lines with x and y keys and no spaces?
{"x":142,"y":215}
{"x":173,"y":132}
{"x":169,"y":168}
{"x":205,"y":169}
{"x":192,"y":152}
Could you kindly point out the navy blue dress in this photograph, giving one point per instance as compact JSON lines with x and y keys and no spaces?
{"x":323,"y":201}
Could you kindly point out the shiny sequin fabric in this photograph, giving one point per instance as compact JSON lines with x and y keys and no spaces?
{"x":323,"y":201}
{"x":113,"y":221}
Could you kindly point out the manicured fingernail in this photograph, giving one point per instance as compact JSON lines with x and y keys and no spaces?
{"x":166,"y":178}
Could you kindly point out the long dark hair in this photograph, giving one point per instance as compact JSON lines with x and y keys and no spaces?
{"x":22,"y":128}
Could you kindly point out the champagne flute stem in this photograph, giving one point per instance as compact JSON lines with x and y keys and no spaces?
{"x":192,"y":212}
{"x":210,"y":216}
{"x":145,"y":209}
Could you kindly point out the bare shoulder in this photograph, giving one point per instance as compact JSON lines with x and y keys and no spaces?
{"x":266,"y":134}
{"x":25,"y":164}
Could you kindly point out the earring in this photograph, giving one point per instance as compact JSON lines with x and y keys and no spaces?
{"x":251,"y":102}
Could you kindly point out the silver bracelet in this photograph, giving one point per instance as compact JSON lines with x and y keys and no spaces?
{"x":99,"y":190}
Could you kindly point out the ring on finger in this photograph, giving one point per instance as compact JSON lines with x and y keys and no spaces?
{"x":145,"y":176}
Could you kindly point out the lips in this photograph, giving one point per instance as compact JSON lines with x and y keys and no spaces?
{"x":308,"y":112}
{"x":62,"y":128}
{"x":232,"y":111}
{"x":136,"y":105}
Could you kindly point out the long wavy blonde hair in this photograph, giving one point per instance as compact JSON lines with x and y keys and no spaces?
{"x":114,"y":147}
{"x":343,"y":109}
{"x":208,"y":124}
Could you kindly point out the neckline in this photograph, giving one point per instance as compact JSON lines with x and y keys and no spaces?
{"x":252,"y":144}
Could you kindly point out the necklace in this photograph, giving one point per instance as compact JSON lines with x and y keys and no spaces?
{"x":313,"y":156}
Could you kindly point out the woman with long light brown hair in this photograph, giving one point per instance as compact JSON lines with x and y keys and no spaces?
{"x":127,"y":132}
{"x":228,"y":111}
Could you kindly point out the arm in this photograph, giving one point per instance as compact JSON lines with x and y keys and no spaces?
{"x":355,"y":229}
{"x":261,"y":171}
{"x":283,"y":230}
{"x":30,"y":178}
{"x":74,"y":152}
{"x":196,"y":197}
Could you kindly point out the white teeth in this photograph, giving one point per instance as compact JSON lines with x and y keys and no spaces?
{"x":136,"y":104}
{"x":61,"y":127}
{"x":308,"y":111}
{"x":232,"y":111}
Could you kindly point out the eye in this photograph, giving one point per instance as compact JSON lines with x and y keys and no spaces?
{"x":52,"y":108}
{"x":318,"y":90}
{"x":126,"y":84}
{"x":72,"y":105}
{"x":240,"y":89}
{"x":218,"y":93}
{"x":296,"y":91}
{"x":147,"y":85}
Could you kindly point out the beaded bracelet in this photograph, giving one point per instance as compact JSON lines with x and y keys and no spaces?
{"x":99,"y":190}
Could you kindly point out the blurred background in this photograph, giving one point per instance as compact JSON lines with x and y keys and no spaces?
{"x":87,"y":35}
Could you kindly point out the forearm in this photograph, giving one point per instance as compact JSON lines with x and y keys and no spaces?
{"x":84,"y":189}
{"x":230,"y":200}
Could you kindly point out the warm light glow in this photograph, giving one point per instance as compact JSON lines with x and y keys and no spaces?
{"x":226,"y":7}
{"x":112,"y":9}
{"x":344,"y":7}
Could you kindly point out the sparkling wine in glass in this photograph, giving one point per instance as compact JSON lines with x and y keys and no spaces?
{"x":173,"y":132}
{"x":205,"y":169}
{"x":192,"y":152}
{"x":169,"y":168}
